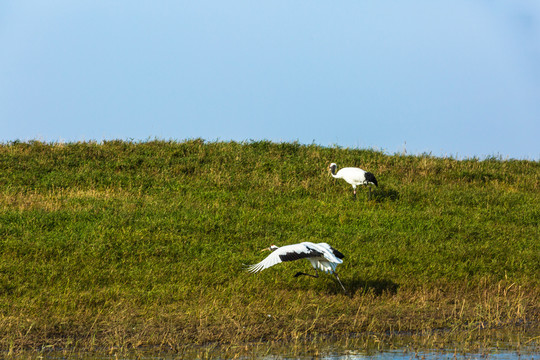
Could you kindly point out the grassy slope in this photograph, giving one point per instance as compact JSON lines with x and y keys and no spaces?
{"x":131,"y":244}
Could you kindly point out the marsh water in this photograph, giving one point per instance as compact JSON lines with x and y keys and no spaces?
{"x":444,"y":345}
{"x":400,"y":353}
{"x":330,"y":354}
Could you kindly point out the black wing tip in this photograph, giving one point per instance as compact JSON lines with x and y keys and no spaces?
{"x":338,"y":254}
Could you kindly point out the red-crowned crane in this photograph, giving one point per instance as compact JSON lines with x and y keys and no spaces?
{"x":321,"y":256}
{"x":354,"y":176}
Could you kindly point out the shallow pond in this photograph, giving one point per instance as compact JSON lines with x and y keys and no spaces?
{"x":342,"y":354}
{"x":443,"y":345}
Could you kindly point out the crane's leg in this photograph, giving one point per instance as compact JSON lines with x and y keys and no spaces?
{"x":339,"y":281}
{"x":369,"y":196}
{"x":303,"y":273}
{"x":354,"y":193}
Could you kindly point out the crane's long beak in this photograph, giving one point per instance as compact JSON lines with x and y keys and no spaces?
{"x":265,"y":249}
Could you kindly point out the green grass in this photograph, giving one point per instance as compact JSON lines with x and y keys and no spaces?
{"x":130,"y":244}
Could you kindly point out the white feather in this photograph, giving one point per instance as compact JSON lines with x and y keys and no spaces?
{"x":352,"y":175}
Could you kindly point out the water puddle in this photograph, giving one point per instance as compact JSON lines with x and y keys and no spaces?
{"x":341,"y":354}
{"x":439,"y":345}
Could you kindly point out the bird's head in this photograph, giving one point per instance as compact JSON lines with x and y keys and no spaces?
{"x":271,"y":248}
{"x":333,"y":168}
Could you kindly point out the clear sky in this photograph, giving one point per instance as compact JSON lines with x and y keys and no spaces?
{"x":450,"y":77}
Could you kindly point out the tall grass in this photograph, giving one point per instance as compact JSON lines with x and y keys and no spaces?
{"x":128,"y":244}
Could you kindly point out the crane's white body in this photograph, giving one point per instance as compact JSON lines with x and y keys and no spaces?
{"x":354,"y":176}
{"x":321,"y":256}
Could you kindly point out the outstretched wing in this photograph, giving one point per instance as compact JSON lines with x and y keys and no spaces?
{"x":333,"y":251}
{"x":285,"y":253}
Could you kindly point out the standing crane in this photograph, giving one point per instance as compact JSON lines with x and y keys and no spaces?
{"x":354,"y":176}
{"x":321,"y":256}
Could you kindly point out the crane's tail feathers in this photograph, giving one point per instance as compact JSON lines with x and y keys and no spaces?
{"x":370,"y":178}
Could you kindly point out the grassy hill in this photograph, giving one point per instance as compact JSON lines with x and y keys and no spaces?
{"x":129,"y":244}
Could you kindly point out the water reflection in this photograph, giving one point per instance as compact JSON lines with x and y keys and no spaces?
{"x":401,"y":355}
{"x":477,"y":344}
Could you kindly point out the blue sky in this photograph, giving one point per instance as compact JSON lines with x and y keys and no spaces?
{"x":450,"y":78}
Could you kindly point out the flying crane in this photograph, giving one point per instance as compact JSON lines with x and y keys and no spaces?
{"x":321,"y":256}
